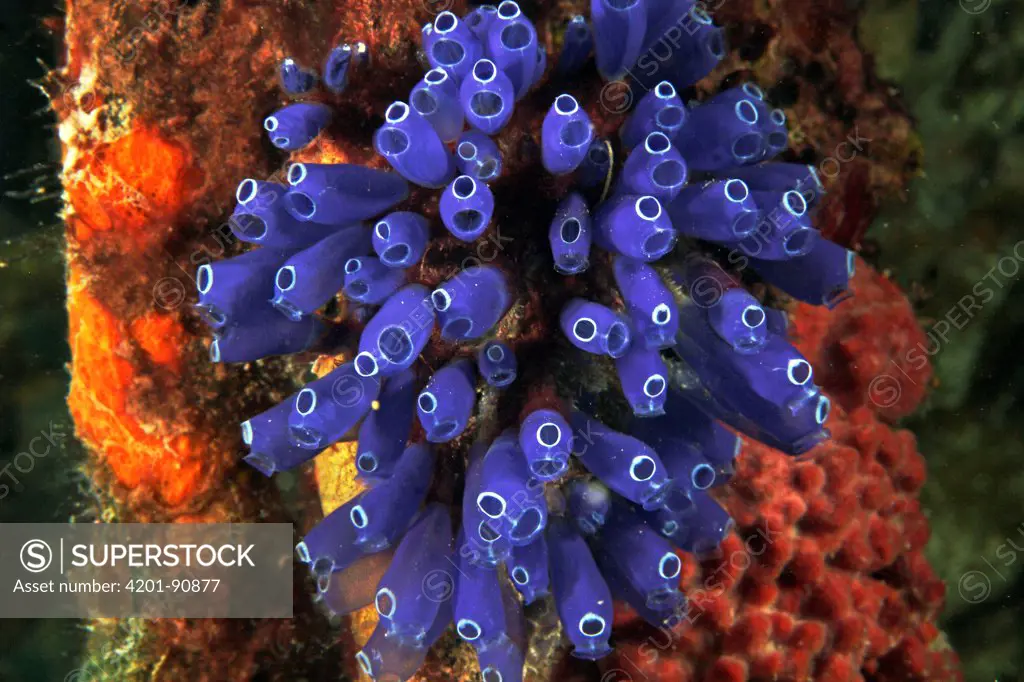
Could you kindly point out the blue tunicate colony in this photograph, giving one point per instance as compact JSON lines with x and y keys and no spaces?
{"x":529,"y":527}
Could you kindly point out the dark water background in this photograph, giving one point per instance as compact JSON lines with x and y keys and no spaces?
{"x":960,"y":68}
{"x":33,"y":329}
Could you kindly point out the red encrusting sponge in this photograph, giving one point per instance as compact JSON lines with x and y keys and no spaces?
{"x":824,"y":577}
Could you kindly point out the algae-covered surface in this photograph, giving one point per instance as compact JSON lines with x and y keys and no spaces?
{"x":955,"y":243}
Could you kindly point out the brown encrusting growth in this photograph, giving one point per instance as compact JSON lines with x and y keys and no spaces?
{"x":160,"y":106}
